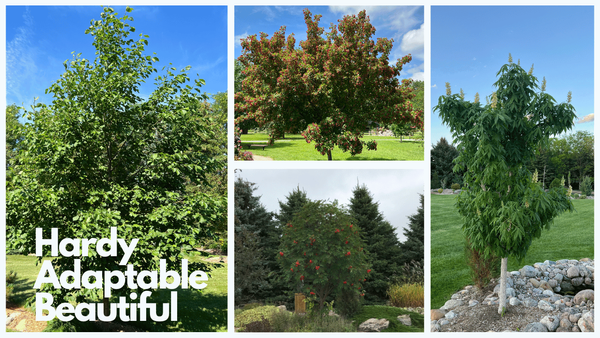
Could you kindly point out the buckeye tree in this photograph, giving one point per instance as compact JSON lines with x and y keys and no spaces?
{"x":502,"y":206}
{"x":101,"y":156}
{"x":332,"y":88}
{"x":321,"y":252}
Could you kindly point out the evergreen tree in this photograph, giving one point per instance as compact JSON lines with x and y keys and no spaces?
{"x":381,"y":244}
{"x":413,"y":248}
{"x":295,"y":200}
{"x":254,"y":230}
{"x":442,"y":155}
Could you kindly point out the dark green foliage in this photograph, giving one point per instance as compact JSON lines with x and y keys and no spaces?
{"x":573,"y":153}
{"x":435,"y":180}
{"x":586,"y":186}
{"x":381,"y":243}
{"x":442,"y":157}
{"x":295,"y":200}
{"x":555,"y":183}
{"x":347,"y":304}
{"x":254,"y":236}
{"x":101,"y":155}
{"x":413,"y":248}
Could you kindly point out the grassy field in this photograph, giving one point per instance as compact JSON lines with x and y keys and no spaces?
{"x":204,"y":311}
{"x":570,"y":237}
{"x":295,"y":148}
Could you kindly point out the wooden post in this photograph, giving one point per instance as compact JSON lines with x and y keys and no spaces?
{"x":299,"y":303}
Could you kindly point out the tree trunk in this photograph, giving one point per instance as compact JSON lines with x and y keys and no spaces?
{"x":106,"y":303}
{"x":502,"y":292}
{"x":329,"y":155}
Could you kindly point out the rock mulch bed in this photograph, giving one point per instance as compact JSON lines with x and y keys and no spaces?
{"x":546,"y":297}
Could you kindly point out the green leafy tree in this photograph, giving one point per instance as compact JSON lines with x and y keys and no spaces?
{"x":413,"y":248}
{"x":100,"y":156}
{"x":502,"y":208}
{"x":256,"y":244}
{"x":406,"y":129}
{"x":321,"y":252}
{"x":14,"y":136}
{"x":332,"y":88}
{"x":581,"y":153}
{"x":381,"y":242}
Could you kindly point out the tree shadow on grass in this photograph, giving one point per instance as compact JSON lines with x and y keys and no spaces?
{"x":22,"y":291}
{"x":196,"y":312}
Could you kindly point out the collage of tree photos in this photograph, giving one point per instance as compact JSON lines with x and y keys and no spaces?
{"x":392,"y":168}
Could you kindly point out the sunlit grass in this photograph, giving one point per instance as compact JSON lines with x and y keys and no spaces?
{"x":570,"y":237}
{"x":295,"y":148}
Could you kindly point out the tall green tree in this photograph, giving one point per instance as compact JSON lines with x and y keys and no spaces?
{"x":413,"y":248}
{"x":101,"y":156}
{"x":255,"y":245}
{"x":502,"y":207}
{"x":381,"y":243}
{"x":331,"y":88}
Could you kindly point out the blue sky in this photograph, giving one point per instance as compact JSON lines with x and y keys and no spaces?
{"x":40,"y":38}
{"x":403,"y":24}
{"x":470,"y":44}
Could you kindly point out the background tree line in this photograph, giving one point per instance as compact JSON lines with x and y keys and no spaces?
{"x":570,"y":156}
{"x":258,"y":233}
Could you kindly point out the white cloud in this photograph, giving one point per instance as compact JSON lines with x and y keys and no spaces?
{"x":587,"y":118}
{"x":237,"y":39}
{"x":21,"y":67}
{"x":435,"y":85}
{"x":413,"y":42}
{"x":400,"y":19}
{"x":418,"y":76}
{"x":268,"y":12}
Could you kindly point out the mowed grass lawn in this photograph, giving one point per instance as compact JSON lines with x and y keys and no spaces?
{"x":295,"y":148}
{"x":571,"y":236}
{"x":204,"y":311}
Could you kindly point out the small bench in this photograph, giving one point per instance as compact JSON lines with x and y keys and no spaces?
{"x":259,"y":145}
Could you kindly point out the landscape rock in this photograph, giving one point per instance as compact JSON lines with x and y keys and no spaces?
{"x":535,"y":327}
{"x":554,"y":296}
{"x":438,"y":314}
{"x":586,"y":322}
{"x":451,"y":315}
{"x":374,"y":325}
{"x":584,"y":295}
{"x":405,"y":320}
{"x":451,"y":304}
{"x":544,"y":305}
{"x":551,"y":323}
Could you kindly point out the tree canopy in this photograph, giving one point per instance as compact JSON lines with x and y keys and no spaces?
{"x":102,"y":156}
{"x":331,"y":88}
